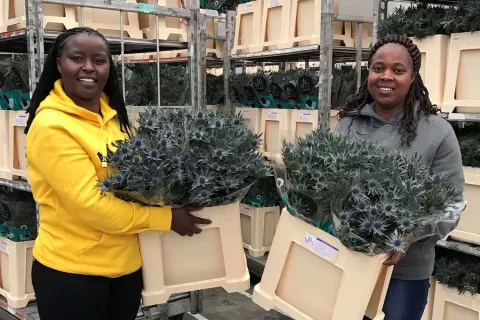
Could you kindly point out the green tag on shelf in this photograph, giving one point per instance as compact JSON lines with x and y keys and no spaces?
{"x":147,"y":8}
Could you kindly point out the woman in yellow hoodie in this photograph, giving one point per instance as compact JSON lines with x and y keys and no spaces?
{"x":87,"y":258}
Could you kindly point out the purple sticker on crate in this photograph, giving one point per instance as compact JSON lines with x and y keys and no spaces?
{"x":320,"y":247}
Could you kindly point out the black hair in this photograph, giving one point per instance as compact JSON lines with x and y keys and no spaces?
{"x":417,"y":91}
{"x":50,"y":74}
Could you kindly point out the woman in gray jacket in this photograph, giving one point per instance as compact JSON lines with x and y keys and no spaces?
{"x":393,"y":108}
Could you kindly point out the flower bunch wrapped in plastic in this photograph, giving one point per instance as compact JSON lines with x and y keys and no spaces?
{"x":369,"y":197}
{"x":181,"y":157}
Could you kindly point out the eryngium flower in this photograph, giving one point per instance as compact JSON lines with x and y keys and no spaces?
{"x":370,"y":197}
{"x":181,"y":157}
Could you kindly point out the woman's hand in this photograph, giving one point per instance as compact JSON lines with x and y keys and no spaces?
{"x":395,"y":258}
{"x":184,"y":223}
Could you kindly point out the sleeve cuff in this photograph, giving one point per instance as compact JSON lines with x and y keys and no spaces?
{"x":160,"y":219}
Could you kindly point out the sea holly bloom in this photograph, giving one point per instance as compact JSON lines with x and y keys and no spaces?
{"x":176,"y":153}
{"x":389,"y":192}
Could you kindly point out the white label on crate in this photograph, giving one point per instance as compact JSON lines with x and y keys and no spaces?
{"x":320,"y":247}
{"x":213,"y":13}
{"x":248,"y":8}
{"x":304,"y":117}
{"x":274,"y":3}
{"x":245,"y":211}
{"x":11,"y":310}
{"x":20,"y":121}
{"x":3,"y":246}
{"x":272,"y":116}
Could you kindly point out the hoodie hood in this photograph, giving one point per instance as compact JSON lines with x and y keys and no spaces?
{"x":58,"y":100}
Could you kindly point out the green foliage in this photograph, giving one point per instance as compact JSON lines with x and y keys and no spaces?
{"x":215,"y":89}
{"x":461,"y":273}
{"x":368,"y":196}
{"x":181,"y":157}
{"x":141,"y":84}
{"x":221,"y":6}
{"x":263,"y":193}
{"x":18,"y":215}
{"x":468,"y":135}
{"x":424,"y":20}
{"x":344,"y":84}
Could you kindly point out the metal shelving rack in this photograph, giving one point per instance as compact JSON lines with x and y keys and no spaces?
{"x":35,"y":41}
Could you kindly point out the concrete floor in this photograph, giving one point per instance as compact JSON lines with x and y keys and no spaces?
{"x":220,"y":305}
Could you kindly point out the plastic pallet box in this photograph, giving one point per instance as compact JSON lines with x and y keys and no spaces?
{"x":305,"y":24}
{"x":434,"y":65}
{"x":252,"y":116}
{"x":450,"y":305}
{"x":258,"y":228}
{"x":16,"y":261}
{"x":302,"y":122}
{"x":310,"y":275}
{"x":428,"y":313}
{"x":275,"y":128}
{"x":4,"y":152}
{"x":215,"y":258}
{"x":248,"y":24}
{"x":169,"y":28}
{"x":463,"y":67}
{"x":56,"y":17}
{"x":367,"y":34}
{"x":468,"y":229}
{"x":107,"y":22}
{"x":17,"y":144}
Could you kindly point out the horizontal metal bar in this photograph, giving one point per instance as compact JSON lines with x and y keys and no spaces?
{"x":143,"y":108}
{"x":127,"y":7}
{"x":347,"y":18}
{"x":467,"y":248}
{"x":463,"y":117}
{"x":214,"y":37}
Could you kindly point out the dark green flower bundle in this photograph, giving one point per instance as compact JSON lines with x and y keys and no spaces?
{"x":461,"y":273}
{"x":263,"y":193}
{"x":368,"y":196}
{"x":181,"y":157}
{"x":468,"y":135}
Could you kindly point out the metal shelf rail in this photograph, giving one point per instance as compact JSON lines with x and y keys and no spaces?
{"x":34,"y":40}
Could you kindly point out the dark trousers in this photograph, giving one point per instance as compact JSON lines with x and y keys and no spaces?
{"x":62,"y":296}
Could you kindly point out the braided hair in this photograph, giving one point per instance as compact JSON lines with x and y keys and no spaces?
{"x":50,"y":75}
{"x":416,"y":93}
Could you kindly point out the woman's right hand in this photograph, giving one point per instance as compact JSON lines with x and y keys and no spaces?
{"x":184,"y":223}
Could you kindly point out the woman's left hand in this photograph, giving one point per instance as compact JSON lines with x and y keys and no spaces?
{"x":395,"y":258}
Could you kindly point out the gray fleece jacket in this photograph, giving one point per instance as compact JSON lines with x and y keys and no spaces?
{"x":437,"y":144}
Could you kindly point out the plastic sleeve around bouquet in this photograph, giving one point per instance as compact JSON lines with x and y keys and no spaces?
{"x":165,"y":200}
{"x":383,"y":231}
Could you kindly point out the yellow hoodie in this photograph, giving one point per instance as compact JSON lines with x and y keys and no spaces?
{"x":82,"y":231}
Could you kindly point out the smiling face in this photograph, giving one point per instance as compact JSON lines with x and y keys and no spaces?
{"x":84,"y":68}
{"x":390,"y":76}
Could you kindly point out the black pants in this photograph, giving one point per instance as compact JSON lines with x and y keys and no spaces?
{"x":65,"y":296}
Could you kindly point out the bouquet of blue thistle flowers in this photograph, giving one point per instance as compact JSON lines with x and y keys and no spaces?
{"x":181,"y":157}
{"x":369,"y":197}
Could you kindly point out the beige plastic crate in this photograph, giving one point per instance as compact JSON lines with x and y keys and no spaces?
{"x":275,"y":127}
{"x":55,"y":16}
{"x":107,"y":22}
{"x":16,"y":261}
{"x":253,"y":118}
{"x":4,"y":152}
{"x":434,"y":65}
{"x":215,"y":258}
{"x":169,"y":28}
{"x":367,"y":34}
{"x":133,"y":117}
{"x":17,"y":144}
{"x":311,"y":276}
{"x":463,"y":68}
{"x":449,"y":305}
{"x":258,"y":228}
{"x":305,"y":24}
{"x":248,"y":23}
{"x":275,"y":28}
{"x":333,"y":119}
{"x":468,"y":229}
{"x":302,"y":122}
{"x":428,"y":313}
